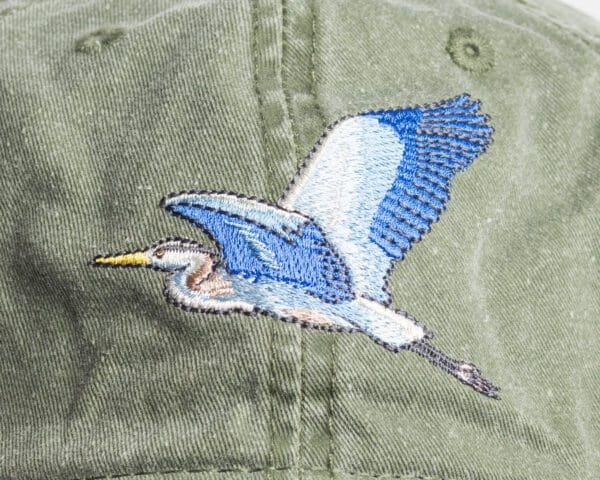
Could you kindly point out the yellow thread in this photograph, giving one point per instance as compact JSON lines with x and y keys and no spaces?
{"x":135,"y":258}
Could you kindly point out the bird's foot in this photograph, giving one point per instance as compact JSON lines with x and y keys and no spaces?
{"x":465,"y":372}
{"x":469,"y":374}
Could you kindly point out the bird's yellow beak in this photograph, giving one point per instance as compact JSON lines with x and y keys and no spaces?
{"x":133,"y":259}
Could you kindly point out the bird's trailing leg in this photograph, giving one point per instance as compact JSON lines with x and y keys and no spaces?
{"x":466,"y":372}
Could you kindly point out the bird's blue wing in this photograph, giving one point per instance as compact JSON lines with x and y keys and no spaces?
{"x":260,"y":241}
{"x":375,"y":182}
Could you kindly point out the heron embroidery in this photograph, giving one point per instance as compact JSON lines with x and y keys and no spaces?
{"x":321,"y":256}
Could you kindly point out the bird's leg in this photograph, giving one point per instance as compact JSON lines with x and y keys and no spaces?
{"x":466,"y":372}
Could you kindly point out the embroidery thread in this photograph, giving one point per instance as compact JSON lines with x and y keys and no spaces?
{"x":321,"y":256}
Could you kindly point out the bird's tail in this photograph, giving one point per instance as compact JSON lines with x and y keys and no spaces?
{"x":394,"y":329}
{"x":465,"y":372}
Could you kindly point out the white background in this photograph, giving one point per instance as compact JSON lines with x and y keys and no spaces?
{"x":591,"y":7}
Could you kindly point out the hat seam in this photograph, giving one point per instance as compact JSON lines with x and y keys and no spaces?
{"x":308,"y":91}
{"x":263,"y":141}
{"x":276,"y":137}
{"x":296,"y":449}
{"x":586,"y":38}
{"x":284,"y":82}
{"x":265,"y":469}
{"x":333,"y":343}
{"x":279,"y":147}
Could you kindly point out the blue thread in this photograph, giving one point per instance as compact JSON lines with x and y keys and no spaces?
{"x":412,"y":234}
{"x":323,"y":255}
{"x":435,"y":187}
{"x":412,"y":188}
{"x":256,"y":252}
{"x":438,"y":142}
{"x":433,"y":177}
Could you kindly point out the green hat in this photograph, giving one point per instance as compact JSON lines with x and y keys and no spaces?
{"x":311,"y":148}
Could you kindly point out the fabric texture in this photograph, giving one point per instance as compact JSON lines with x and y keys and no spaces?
{"x":105,"y":107}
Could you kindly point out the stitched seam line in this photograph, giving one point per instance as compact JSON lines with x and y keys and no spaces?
{"x":277,"y":135}
{"x":278,"y":143}
{"x":301,"y":411}
{"x":259,"y":99}
{"x":255,"y":53}
{"x":250,"y":470}
{"x":313,"y":85}
{"x":331,"y":456}
{"x":284,"y":86}
{"x":313,"y":51}
{"x":587,"y":38}
{"x":272,"y":397}
{"x":300,"y":368}
{"x":313,"y":91}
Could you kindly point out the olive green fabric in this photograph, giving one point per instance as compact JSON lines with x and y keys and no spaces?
{"x":107,"y":106}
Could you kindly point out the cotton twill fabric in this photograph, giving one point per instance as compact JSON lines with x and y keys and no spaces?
{"x":106,"y":107}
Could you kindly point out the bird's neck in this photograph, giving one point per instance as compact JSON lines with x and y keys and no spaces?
{"x":200,"y":268}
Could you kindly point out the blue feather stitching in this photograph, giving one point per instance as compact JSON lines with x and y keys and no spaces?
{"x":301,"y":258}
{"x":439,"y":141}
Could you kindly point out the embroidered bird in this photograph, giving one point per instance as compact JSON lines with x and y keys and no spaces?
{"x":371,"y":187}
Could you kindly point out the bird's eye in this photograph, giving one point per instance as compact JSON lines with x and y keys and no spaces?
{"x":159,"y":252}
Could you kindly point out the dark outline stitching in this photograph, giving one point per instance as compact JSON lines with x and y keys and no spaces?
{"x":285,"y":31}
{"x":309,"y":220}
{"x":387,"y":302}
{"x":450,"y":365}
{"x":291,"y":319}
{"x":173,"y":238}
{"x":220,"y":262}
{"x":250,"y":470}
{"x":436,"y":183}
{"x":329,"y":128}
{"x":254,"y":312}
{"x":428,"y":334}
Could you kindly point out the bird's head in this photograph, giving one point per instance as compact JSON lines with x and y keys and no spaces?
{"x":168,"y":255}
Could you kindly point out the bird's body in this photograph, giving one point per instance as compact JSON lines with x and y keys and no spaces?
{"x":272,"y":293}
{"x":321,"y":256}
{"x":235,"y":293}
